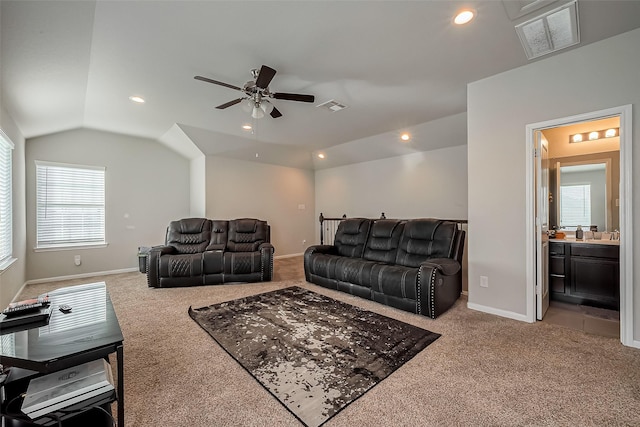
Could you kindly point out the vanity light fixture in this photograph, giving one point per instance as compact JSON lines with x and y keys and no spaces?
{"x":464,"y":17}
{"x":137,"y":99}
{"x":594,"y":135}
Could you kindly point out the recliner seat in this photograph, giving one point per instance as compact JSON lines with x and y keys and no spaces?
{"x":200,"y":251}
{"x":412,"y":265}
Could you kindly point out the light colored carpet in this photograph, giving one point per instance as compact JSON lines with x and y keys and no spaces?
{"x":484,"y":370}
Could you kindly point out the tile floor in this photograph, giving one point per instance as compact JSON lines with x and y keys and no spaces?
{"x":592,"y":320}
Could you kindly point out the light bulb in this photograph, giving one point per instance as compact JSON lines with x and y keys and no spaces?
{"x":266,"y":107}
{"x":464,"y":17}
{"x":593,"y":136}
{"x":257,"y":113}
{"x":577,"y":137}
{"x":247,"y":107}
{"x":610,"y":133}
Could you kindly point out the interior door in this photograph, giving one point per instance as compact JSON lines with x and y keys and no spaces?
{"x":542,"y":225}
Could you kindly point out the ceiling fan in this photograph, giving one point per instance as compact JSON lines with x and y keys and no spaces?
{"x":258,"y":95}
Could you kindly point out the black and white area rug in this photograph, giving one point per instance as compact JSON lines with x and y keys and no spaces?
{"x":316,"y":355}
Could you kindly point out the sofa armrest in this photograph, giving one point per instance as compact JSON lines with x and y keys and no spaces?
{"x":439,"y":286}
{"x":316,"y":249}
{"x":153,"y":264}
{"x":266,"y":261}
{"x":446,"y":266}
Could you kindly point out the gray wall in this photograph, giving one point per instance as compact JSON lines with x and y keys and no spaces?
{"x":237,"y":189}
{"x":12,"y":278}
{"x":147,"y":185}
{"x":591,"y":78}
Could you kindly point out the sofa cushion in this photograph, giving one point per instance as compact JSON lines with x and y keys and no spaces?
{"x":425,"y":238}
{"x":351,"y":237}
{"x":189,"y":235}
{"x":246,"y":235}
{"x":394,"y":280}
{"x":383,"y":240}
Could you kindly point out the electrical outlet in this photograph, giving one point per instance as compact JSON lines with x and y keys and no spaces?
{"x":77,"y":260}
{"x":484,"y":282}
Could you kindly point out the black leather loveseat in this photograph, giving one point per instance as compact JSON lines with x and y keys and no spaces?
{"x":200,"y":251}
{"x":413,"y":265}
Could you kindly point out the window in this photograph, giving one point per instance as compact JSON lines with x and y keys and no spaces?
{"x":575,"y":206}
{"x":70,"y":205}
{"x":6,"y":207}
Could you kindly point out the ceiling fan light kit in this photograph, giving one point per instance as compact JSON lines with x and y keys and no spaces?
{"x":257,"y":94}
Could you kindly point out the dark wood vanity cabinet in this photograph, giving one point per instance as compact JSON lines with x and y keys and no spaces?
{"x":583,"y":273}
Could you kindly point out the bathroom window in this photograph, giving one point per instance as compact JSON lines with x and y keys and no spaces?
{"x":70,"y":205}
{"x":575,"y":206}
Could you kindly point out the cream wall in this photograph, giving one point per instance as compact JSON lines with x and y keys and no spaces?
{"x":591,"y":78}
{"x":237,"y":189}
{"x":12,"y":278}
{"x":147,"y":185}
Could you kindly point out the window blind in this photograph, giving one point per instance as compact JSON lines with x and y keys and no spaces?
{"x":575,"y":205}
{"x":6,"y":210}
{"x":70,"y":205}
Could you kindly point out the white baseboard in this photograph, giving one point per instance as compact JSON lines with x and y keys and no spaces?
{"x":288,"y":256}
{"x":80,"y":276}
{"x":498,"y":312}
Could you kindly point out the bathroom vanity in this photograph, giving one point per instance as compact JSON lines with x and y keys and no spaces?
{"x":585,"y":272}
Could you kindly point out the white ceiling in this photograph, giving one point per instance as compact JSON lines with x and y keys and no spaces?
{"x":397,"y":65}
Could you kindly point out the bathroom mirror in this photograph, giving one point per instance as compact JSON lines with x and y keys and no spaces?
{"x":584,"y":195}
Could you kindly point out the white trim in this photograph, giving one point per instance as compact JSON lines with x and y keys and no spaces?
{"x":498,"y":312}
{"x":81,"y":276}
{"x":626,"y":226}
{"x":288,"y":256}
{"x":6,"y":138}
{"x":70,"y":247}
{"x":4,"y":265}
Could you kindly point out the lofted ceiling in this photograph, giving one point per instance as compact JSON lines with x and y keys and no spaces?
{"x":397,"y":65}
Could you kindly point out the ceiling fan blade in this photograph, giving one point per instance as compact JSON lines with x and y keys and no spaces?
{"x":265,"y":76}
{"x":215,"y":82}
{"x":293,"y":97}
{"x":275,"y":113}
{"x":229,"y":104}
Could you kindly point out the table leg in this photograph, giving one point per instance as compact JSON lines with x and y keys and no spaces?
{"x":120,"y":358}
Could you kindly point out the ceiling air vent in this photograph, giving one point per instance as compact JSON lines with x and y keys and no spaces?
{"x":555,"y":30}
{"x":332,"y":105}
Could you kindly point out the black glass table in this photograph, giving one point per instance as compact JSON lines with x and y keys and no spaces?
{"x":89,"y":331}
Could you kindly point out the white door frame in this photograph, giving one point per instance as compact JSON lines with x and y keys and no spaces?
{"x":626,"y":223}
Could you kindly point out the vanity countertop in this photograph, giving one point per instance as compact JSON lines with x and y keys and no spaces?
{"x":590,"y":241}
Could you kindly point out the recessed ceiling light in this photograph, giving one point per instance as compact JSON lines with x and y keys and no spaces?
{"x":405,"y":137}
{"x":321,"y":156}
{"x":246,"y":127}
{"x":137,"y":99}
{"x":464,"y":16}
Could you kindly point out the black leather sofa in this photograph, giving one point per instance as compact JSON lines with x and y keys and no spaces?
{"x":413,"y":265}
{"x":201,"y":251}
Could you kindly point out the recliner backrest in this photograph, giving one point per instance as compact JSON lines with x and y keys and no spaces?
{"x":247,"y":234}
{"x":189,"y":235}
{"x":351,"y":237}
{"x":383,"y":240}
{"x":426,"y":238}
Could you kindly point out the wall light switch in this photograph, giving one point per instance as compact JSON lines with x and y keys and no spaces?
{"x":484,"y":282}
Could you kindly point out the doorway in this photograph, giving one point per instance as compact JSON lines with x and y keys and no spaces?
{"x":535,"y":266}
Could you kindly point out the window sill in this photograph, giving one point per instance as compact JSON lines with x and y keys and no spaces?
{"x":70,"y":247}
{"x":4,"y":265}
